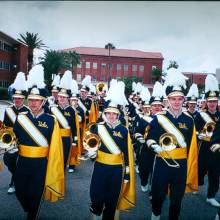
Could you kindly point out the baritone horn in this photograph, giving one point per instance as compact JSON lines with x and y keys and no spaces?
{"x":168,"y":142}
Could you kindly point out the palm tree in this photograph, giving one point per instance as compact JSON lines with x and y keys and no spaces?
{"x":33,"y":41}
{"x":71,"y":59}
{"x":110,"y":47}
{"x":173,"y":64}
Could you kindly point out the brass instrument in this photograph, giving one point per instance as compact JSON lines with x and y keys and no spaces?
{"x":168,"y":142}
{"x":8,"y":139}
{"x":99,"y":87}
{"x":208,"y":129}
{"x":91,"y":142}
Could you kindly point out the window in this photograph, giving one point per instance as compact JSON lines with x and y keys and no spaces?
{"x":78,"y":77}
{"x":7,"y":47}
{"x":141,"y":68}
{"x":5,"y":66}
{"x":79,"y":65}
{"x":125,"y":67}
{"x":1,"y":64}
{"x":134,"y":68}
{"x":87,"y":65}
{"x":103,"y":77}
{"x":103,"y":65}
{"x":118,"y":66}
{"x":94,"y":78}
{"x":94,"y":65}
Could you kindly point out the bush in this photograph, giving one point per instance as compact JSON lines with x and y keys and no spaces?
{"x":4,"y":93}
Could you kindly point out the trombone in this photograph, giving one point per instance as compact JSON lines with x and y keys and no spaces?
{"x":167,"y":141}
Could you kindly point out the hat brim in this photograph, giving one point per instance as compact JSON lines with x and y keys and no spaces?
{"x":212,"y":99}
{"x":175,"y":93}
{"x":18,"y":96}
{"x":38,"y":97}
{"x":111,"y":109}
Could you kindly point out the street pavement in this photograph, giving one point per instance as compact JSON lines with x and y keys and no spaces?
{"x":76,"y":203}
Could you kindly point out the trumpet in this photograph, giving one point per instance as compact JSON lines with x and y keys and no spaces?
{"x":8,"y":140}
{"x":168,"y":142}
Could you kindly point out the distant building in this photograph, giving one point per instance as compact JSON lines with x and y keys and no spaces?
{"x":13,"y":58}
{"x":103,"y":64}
{"x":197,"y":77}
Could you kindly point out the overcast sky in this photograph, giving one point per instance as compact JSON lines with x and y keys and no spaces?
{"x":188,"y":32}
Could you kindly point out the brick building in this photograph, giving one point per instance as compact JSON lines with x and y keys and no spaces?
{"x":13,"y":58}
{"x":101,"y":63}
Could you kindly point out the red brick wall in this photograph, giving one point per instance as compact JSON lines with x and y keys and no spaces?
{"x":148,"y":63}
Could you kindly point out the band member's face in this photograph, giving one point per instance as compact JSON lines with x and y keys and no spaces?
{"x":55,"y":95}
{"x":155,"y":108}
{"x":111,"y":117}
{"x":62,"y":101}
{"x":74,"y":102}
{"x":176,"y":102}
{"x":191,"y":106}
{"x":18,"y":102}
{"x":212,"y":105}
{"x":35,"y":105}
{"x":83,"y":94}
{"x":146,"y":109}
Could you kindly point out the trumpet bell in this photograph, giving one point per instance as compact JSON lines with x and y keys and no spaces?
{"x":8,"y":139}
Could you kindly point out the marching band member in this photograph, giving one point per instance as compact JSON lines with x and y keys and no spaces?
{"x":113,"y":168}
{"x":173,"y":138}
{"x":138,"y":126}
{"x":147,"y":155}
{"x":19,"y":91}
{"x":85,"y":103}
{"x":75,"y":153}
{"x":39,"y":167}
{"x":65,"y":115}
{"x":191,"y":100}
{"x":205,"y":122}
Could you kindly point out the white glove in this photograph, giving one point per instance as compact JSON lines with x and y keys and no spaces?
{"x":141,"y":140}
{"x":157,"y":148}
{"x":79,"y":118}
{"x":215,"y":147}
{"x":92,"y":155}
{"x":201,"y":136}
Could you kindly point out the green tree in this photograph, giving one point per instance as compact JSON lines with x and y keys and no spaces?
{"x":33,"y":41}
{"x":71,"y":59}
{"x":52,"y":62}
{"x":173,"y":64}
{"x":156,"y":74}
{"x":128,"y":83}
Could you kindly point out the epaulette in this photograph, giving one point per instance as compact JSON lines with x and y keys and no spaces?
{"x":101,"y":123}
{"x":161,"y":113}
{"x":186,"y":113}
{"x":23,"y":113}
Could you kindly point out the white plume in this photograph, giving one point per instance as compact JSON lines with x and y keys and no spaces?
{"x":87,"y":81}
{"x":56,"y":80}
{"x":158,"y":90}
{"x":211,"y":83}
{"x":175,"y":78}
{"x":193,"y":91}
{"x":74,"y":87}
{"x":20,"y":82}
{"x":134,"y":84}
{"x":36,"y":77}
{"x":92,"y":88}
{"x":66,"y":80}
{"x":138,"y":87}
{"x":145,"y":94}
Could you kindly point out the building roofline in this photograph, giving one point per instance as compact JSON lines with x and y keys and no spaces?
{"x":98,"y":51}
{"x":10,"y":39}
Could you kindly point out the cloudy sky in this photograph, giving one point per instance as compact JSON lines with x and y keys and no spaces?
{"x":187,"y":32}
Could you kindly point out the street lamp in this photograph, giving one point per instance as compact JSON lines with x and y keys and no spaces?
{"x":110,"y":47}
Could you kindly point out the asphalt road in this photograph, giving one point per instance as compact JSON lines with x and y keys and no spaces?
{"x":76,"y":202}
